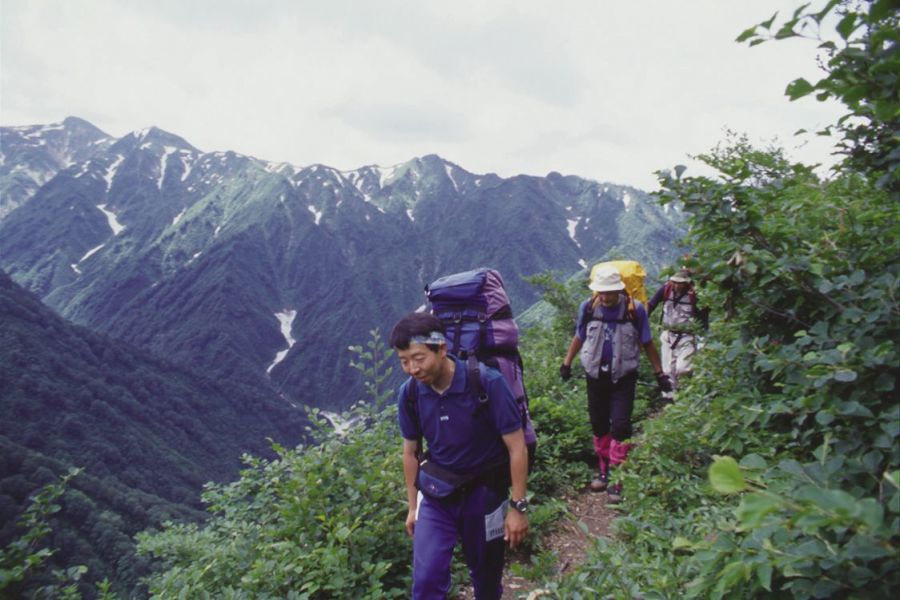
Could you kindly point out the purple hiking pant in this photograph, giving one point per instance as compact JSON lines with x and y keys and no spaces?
{"x":440,"y":525}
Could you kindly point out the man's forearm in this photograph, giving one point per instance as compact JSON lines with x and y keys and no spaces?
{"x":574,"y":347}
{"x":518,"y":472}
{"x":410,"y":468}
{"x":653,"y":357}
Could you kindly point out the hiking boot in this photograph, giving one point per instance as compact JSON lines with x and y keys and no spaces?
{"x":600,"y":482}
{"x":614,"y":493}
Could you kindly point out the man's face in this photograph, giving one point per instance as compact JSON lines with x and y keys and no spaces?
{"x":680,"y":287}
{"x":421,"y":363}
{"x":609,"y":299}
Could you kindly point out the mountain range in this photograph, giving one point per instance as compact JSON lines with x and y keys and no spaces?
{"x":264,"y":273}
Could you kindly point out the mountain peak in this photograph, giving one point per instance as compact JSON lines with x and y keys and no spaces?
{"x":80,"y":125}
{"x":155,"y":135}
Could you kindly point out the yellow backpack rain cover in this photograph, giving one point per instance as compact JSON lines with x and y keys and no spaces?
{"x":633,"y":275}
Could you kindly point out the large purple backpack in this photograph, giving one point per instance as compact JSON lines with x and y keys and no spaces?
{"x":475,"y":310}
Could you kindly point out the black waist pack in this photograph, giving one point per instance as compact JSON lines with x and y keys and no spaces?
{"x":438,"y":482}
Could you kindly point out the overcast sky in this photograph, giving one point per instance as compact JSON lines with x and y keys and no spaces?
{"x":610,"y":90}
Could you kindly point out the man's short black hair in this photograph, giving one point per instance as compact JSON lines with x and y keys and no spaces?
{"x":413,"y":325}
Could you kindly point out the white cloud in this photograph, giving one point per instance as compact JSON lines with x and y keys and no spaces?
{"x":602,"y":89}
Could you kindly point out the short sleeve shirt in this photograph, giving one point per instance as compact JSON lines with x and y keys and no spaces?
{"x":461,"y":432}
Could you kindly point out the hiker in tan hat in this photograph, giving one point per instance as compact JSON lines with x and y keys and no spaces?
{"x":681,"y":322}
{"x":612,"y":328}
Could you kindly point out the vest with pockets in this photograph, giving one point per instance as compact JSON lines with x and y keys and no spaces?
{"x":626,"y":347}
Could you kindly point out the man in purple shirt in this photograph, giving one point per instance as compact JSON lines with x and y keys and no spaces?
{"x":610,"y":332}
{"x":475,"y":439}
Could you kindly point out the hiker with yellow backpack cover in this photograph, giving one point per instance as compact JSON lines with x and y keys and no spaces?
{"x":612,"y":326}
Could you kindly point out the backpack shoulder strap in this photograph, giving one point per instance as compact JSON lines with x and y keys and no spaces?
{"x":411,"y":398}
{"x":473,"y":379}
{"x":589,"y":308}
{"x":667,"y":290}
{"x":631,"y":310}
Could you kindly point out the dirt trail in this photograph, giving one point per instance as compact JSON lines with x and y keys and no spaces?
{"x":568,"y":542}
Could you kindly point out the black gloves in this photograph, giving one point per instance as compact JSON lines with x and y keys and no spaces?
{"x":664,"y":383}
{"x":565,"y":372}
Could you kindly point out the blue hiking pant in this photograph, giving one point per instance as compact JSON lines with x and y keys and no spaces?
{"x":475,"y":516}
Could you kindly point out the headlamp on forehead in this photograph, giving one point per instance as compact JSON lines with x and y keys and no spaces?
{"x":435,"y":338}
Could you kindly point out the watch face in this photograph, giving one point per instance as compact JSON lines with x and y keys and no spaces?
{"x":521,"y":505}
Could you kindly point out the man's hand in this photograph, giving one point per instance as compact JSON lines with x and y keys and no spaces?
{"x":664,"y":383}
{"x":565,"y":372}
{"x":515,"y":528}
{"x":411,"y":521}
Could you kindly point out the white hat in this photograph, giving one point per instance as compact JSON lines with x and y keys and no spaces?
{"x":606,"y":279}
{"x":682,"y":276}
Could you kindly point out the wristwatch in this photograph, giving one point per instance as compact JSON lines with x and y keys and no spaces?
{"x":519,"y":505}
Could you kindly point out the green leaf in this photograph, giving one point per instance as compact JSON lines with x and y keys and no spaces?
{"x":753,"y":461}
{"x":764,"y":576}
{"x":725,"y":475}
{"x":881,"y":9}
{"x":786,"y":31}
{"x":752,"y":510}
{"x":823,"y":417}
{"x":746,"y":35}
{"x":886,"y":111}
{"x":845,"y":375}
{"x":857,"y":277}
{"x":825,"y":588}
{"x":847,"y":25}
{"x":855,"y":94}
{"x":680,"y":543}
{"x":798,"y":88}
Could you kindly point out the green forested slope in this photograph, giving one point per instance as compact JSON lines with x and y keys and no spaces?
{"x":147,"y":433}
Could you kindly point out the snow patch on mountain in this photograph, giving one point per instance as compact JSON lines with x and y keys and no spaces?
{"x":36,"y":176}
{"x":572,"y":225}
{"x":111,"y":218}
{"x":385,"y":175}
{"x":626,"y":198}
{"x":162,"y":164}
{"x":409,"y":213}
{"x":286,"y":319}
{"x":449,"y":170}
{"x":87,"y":255}
{"x":111,"y":171}
{"x":90,"y":253}
{"x":82,"y":170}
{"x":178,"y":216}
{"x":187,"y":163}
{"x":316,"y":213}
